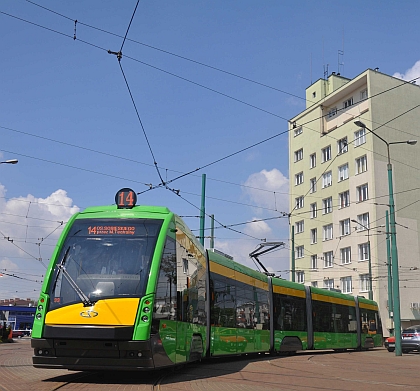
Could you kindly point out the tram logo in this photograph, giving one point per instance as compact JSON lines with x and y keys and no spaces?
{"x":88,"y":314}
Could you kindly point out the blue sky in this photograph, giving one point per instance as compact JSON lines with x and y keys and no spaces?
{"x":66,"y":113}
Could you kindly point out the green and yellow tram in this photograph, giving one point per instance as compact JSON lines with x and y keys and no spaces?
{"x":130,"y":288}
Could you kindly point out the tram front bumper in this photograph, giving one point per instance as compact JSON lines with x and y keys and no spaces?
{"x":91,"y":355}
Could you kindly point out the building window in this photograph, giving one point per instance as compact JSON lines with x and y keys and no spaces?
{"x":299,"y":178}
{"x":326,"y":179}
{"x":359,"y":137}
{"x":314,"y":284}
{"x":364,"y":94}
{"x":329,"y":283}
{"x":345,"y":227}
{"x":363,"y":221}
{"x":328,"y":259}
{"x":343,"y":172}
{"x":344,"y":199}
{"x":326,"y":154}
{"x":298,"y":131}
{"x":362,"y":192}
{"x":348,"y":103}
{"x":299,"y":226}
{"x":332,"y":112}
{"x":312,"y":185}
{"x":327,"y":232}
{"x":299,"y":155}
{"x":314,"y":236}
{"x":364,"y":252}
{"x":312,"y":160}
{"x":313,"y":210}
{"x":299,"y":251}
{"x":300,"y":277}
{"x":342,"y":146}
{"x":345,"y":255}
{"x":346,"y":285}
{"x":314,"y":262}
{"x":327,"y":205}
{"x":361,"y":164}
{"x":299,"y":202}
{"x":364,"y":282}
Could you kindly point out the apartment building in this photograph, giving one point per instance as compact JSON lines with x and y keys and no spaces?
{"x":339,"y":187}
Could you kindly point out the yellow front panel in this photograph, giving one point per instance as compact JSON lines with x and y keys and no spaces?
{"x":112,"y":312}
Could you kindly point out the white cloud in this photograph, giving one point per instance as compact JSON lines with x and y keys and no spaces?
{"x":260,"y":229}
{"x":410,"y":74}
{"x":29,"y":227}
{"x":268,"y":189}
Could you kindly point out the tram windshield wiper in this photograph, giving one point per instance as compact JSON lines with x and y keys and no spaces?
{"x":62,"y":269}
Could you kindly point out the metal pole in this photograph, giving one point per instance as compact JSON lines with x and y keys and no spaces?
{"x":388,"y":257}
{"x":370,"y":269}
{"x":293,"y":253}
{"x":395,"y":273}
{"x":203,"y":208}
{"x":212,"y":231}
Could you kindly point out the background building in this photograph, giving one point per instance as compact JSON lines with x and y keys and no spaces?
{"x":339,"y":187}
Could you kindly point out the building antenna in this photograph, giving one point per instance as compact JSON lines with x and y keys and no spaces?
{"x":341,"y":53}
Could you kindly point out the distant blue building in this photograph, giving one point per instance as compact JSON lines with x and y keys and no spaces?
{"x":19,"y":317}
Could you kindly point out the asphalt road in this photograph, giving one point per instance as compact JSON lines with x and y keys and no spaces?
{"x":375,"y":369}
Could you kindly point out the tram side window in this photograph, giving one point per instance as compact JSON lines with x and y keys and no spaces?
{"x":191,"y":284}
{"x":289,"y":313}
{"x":165,"y":306}
{"x":322,"y":316}
{"x":334,"y":318}
{"x":246,"y":300}
{"x":370,"y":321}
{"x":223,"y":302}
{"x":262,"y":310}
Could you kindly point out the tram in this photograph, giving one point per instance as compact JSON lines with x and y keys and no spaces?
{"x":129,"y":287}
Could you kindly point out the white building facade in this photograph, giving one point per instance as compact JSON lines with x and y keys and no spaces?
{"x":339,"y":188}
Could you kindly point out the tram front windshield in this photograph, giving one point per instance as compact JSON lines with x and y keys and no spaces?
{"x":104,"y":259}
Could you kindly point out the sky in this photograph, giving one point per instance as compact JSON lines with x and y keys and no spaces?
{"x":203,"y":87}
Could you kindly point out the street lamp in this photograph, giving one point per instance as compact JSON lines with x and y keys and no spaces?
{"x":11,"y":161}
{"x":394,"y":251}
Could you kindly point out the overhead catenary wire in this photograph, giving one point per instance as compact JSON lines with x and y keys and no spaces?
{"x":404,"y":83}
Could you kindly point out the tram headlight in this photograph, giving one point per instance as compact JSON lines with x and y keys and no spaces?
{"x":40,"y":307}
{"x":38,"y":316}
{"x":144,"y":318}
{"x":146,"y":310}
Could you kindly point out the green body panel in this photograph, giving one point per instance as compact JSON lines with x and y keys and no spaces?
{"x":221,"y":260}
{"x":335,"y":340}
{"x":288,"y":284}
{"x":39,"y":318}
{"x":336,"y":295}
{"x":226,"y":341}
{"x":176,"y":339}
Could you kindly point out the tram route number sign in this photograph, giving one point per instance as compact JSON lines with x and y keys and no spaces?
{"x":125,"y":198}
{"x":111,"y":230}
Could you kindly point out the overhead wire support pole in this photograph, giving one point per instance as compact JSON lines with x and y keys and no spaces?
{"x":203,"y":208}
